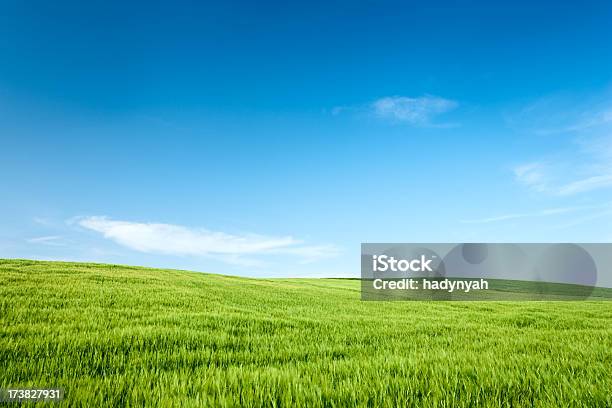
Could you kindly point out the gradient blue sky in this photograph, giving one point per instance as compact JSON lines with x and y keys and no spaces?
{"x":271,"y":139}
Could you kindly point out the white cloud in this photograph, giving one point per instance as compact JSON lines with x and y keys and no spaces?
{"x":42,"y":221}
{"x":415,"y":111}
{"x":179,"y":240}
{"x":582,"y":130}
{"x":532,"y":175}
{"x":586,"y":123}
{"x":53,"y":240}
{"x":587,"y":184}
{"x":541,"y":213}
{"x":587,"y":168}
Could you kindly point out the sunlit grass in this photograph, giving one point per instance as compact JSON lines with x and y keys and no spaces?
{"x":115,"y":335}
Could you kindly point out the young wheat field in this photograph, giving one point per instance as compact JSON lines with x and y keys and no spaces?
{"x":127,"y":336}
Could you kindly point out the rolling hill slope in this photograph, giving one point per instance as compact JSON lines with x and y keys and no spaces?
{"x":117,"y":335}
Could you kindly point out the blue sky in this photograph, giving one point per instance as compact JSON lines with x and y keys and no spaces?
{"x":271,"y":139}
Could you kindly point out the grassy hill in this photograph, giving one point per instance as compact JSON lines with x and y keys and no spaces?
{"x":117,"y":335}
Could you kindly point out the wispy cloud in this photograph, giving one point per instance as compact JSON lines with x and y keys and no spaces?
{"x":562,"y":113}
{"x":415,"y":111}
{"x":532,"y":175}
{"x":169,"y":239}
{"x":45,"y":222}
{"x":53,"y":240}
{"x":586,"y":122}
{"x":587,"y":168}
{"x":587,"y":184}
{"x":542,"y":213}
{"x":584,"y":162}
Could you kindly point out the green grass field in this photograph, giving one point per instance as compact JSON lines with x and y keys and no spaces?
{"x":126,"y":336}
